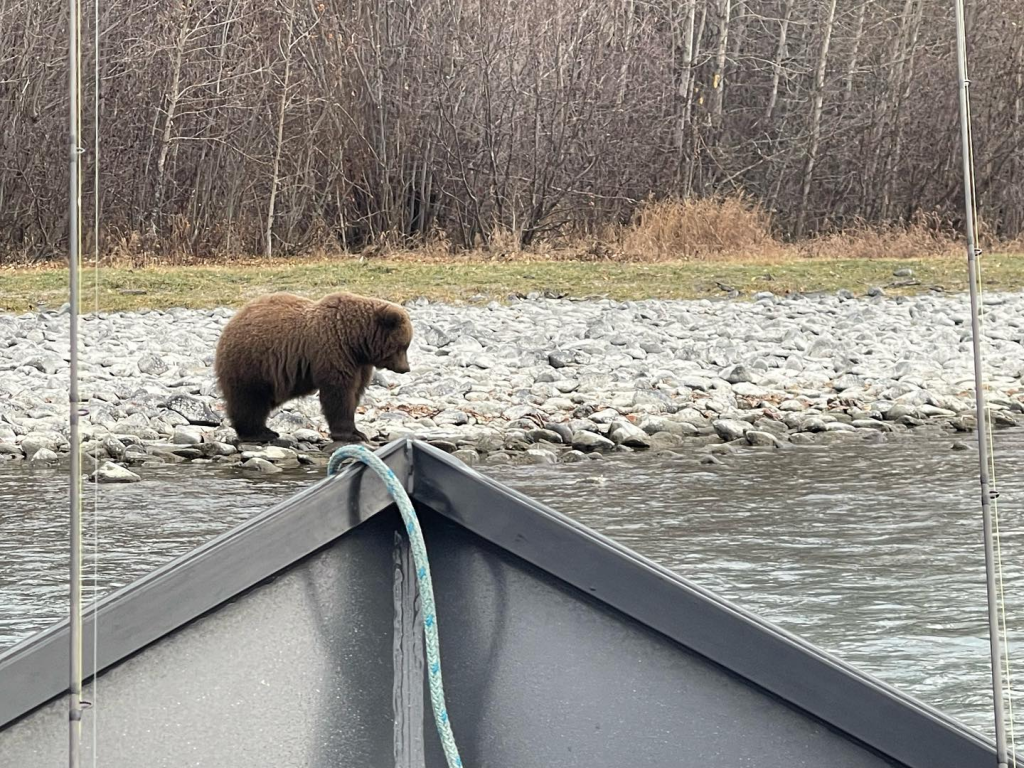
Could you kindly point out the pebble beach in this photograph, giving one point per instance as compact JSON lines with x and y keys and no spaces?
{"x":535,"y":380}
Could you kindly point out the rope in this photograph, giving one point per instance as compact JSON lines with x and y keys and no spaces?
{"x":423,"y":580}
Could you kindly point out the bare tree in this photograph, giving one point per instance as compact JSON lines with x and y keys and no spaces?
{"x":232,"y":126}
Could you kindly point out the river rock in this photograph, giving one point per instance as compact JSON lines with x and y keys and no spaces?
{"x":195,"y":410}
{"x":629,"y":435}
{"x":271,"y":453}
{"x":304,"y":436}
{"x":113,"y":473}
{"x":730,"y":429}
{"x":113,"y":446}
{"x":540,"y":456}
{"x":187,"y":436}
{"x":261,"y":466}
{"x":33,"y":442}
{"x":467,"y":456}
{"x":591,"y":441}
{"x":665,"y":441}
{"x":572,"y":457}
{"x":213,"y":449}
{"x":153,"y":365}
{"x":661,"y":366}
{"x":548,"y":435}
{"x":762,"y":439}
{"x":43,"y":455}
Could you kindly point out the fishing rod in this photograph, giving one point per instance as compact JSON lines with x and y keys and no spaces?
{"x":75,"y":703}
{"x":988,"y":493}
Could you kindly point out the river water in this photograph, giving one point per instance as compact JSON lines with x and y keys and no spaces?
{"x":872,"y":552}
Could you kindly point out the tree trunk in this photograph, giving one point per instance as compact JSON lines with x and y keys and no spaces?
{"x":282,"y":106}
{"x":171,"y":99}
{"x":780,"y":55}
{"x":815,"y":133}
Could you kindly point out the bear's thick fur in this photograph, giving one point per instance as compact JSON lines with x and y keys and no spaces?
{"x":281,"y":346}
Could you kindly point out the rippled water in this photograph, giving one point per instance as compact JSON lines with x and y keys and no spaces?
{"x":872,"y":552}
{"x":138,"y":528}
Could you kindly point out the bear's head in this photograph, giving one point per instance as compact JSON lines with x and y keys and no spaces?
{"x":393,"y":339}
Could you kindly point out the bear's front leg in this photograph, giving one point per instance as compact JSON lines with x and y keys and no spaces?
{"x":338,"y":403}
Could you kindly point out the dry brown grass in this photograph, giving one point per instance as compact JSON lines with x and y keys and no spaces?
{"x":714,"y":230}
{"x":706,"y":229}
{"x":925,"y":236}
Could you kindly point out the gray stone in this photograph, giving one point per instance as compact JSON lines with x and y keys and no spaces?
{"x":306,"y":436}
{"x":1004,"y":419}
{"x":572,"y":457}
{"x":591,"y":441}
{"x":285,"y":441}
{"x":134,"y":454}
{"x":777,"y":428}
{"x":33,"y":442}
{"x":467,"y":456}
{"x":546,"y":434}
{"x":187,"y":452}
{"x":113,"y":473}
{"x":271,"y":453}
{"x":898,"y":411}
{"x":763,"y":439}
{"x":541,"y":456}
{"x":665,"y":441}
{"x":444,"y":445}
{"x":48,"y":365}
{"x":186,"y":436}
{"x":874,"y":424}
{"x":262,"y":466}
{"x":43,"y":455}
{"x":451,"y":417}
{"x":838,"y":426}
{"x":740,"y":374}
{"x":560,"y":359}
{"x":152,"y":365}
{"x":730,"y":429}
{"x":562,"y":430}
{"x":212,"y":449}
{"x":629,"y":435}
{"x":195,"y":410}
{"x":813,"y":424}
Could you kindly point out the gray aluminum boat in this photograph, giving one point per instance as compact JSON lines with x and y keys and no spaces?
{"x":295,"y":640}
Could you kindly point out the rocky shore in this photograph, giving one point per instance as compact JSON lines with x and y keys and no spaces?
{"x":535,"y":380}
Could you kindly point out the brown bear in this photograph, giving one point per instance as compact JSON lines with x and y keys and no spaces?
{"x":281,"y":346}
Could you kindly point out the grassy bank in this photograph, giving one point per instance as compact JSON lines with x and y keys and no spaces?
{"x":159,"y":287}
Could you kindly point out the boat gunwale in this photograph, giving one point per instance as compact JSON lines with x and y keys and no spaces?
{"x":33,"y":672}
{"x":893,"y":722}
{"x":809,"y":679}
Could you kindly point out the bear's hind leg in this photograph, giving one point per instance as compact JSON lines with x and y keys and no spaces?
{"x":248,"y":410}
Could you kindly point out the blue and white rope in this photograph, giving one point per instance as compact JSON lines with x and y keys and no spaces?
{"x":423,"y":580}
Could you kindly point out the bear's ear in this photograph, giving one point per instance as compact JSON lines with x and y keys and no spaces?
{"x":390,"y":318}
